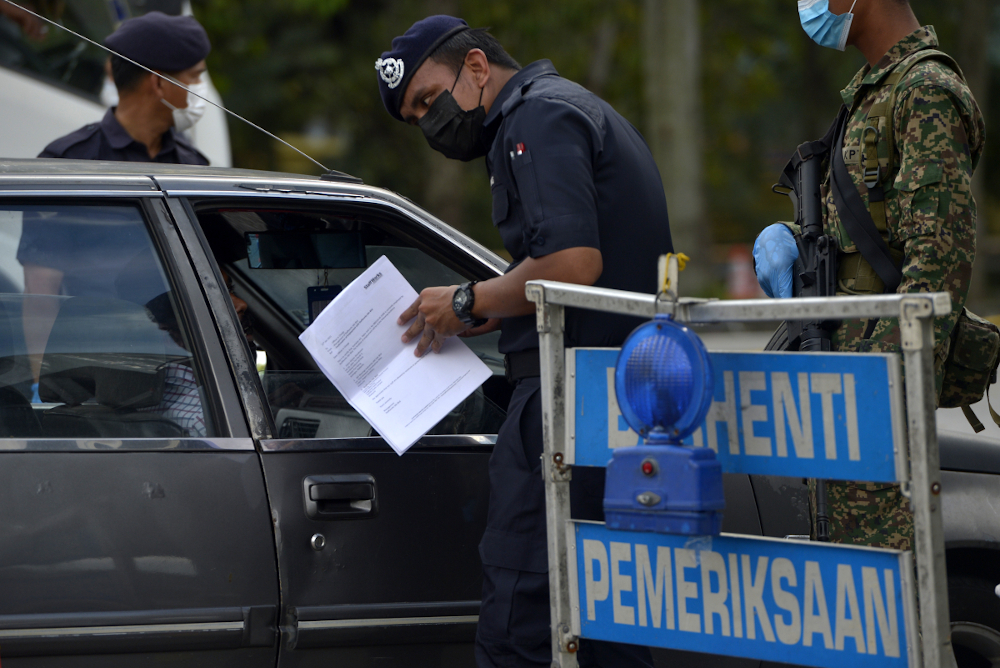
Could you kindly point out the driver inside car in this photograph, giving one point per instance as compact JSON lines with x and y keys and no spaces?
{"x":181,"y":398}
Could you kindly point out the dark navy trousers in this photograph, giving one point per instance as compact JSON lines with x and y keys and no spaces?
{"x":514,"y":621}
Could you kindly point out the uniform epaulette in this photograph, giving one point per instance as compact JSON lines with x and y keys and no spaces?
{"x":60,"y":146}
{"x":931,"y":67}
{"x":557,"y":89}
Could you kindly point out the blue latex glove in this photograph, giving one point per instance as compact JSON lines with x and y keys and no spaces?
{"x":35,"y":399}
{"x":774,"y":255}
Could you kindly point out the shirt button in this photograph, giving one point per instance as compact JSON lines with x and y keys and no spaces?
{"x":540,"y":241}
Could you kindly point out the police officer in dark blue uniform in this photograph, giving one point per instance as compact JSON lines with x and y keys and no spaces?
{"x":577,"y":198}
{"x":67,"y":255}
{"x":151,"y":115}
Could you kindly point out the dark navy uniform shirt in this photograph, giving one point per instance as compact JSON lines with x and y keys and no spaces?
{"x":567,"y":170}
{"x":108,"y":140}
{"x":101,"y":251}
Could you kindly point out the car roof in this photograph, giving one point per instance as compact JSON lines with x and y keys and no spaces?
{"x":60,"y":167}
{"x":34,"y":177}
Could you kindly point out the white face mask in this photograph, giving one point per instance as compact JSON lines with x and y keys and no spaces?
{"x":823,"y":26}
{"x":184,"y":119}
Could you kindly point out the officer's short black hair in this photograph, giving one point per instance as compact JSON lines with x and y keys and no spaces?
{"x":452,"y":53}
{"x":126,"y":75}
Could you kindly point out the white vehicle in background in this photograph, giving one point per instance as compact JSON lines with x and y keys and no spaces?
{"x":52,"y":87}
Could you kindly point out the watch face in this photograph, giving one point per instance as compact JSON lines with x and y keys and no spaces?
{"x":460,"y":299}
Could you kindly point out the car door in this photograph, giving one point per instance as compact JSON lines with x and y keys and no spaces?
{"x":378,"y":553}
{"x":135,"y":526}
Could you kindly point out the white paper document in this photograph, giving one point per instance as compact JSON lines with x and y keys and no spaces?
{"x":356,"y":343}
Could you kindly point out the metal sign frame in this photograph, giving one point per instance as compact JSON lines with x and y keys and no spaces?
{"x":916,"y":314}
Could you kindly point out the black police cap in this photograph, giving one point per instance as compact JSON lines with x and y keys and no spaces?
{"x":161,"y":42}
{"x":409,"y":51}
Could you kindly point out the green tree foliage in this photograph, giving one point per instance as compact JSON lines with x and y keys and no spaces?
{"x":305,"y":69}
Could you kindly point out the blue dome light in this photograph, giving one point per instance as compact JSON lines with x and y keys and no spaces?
{"x":664,"y":381}
{"x":665,"y":387}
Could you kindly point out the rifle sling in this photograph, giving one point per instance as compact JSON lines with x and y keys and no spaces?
{"x":854,"y":215}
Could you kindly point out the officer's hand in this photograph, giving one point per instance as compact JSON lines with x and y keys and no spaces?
{"x":774,"y":256}
{"x":433,"y":318}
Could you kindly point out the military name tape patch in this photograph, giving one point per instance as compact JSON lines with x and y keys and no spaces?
{"x":391,"y":71}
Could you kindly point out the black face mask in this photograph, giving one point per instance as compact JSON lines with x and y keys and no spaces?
{"x":453,"y":131}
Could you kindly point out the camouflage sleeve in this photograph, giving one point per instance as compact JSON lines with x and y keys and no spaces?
{"x":937,"y":224}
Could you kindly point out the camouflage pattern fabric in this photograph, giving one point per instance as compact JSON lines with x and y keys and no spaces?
{"x":866,"y":513}
{"x":931,"y":218}
{"x":939,"y":134}
{"x":975,"y":344}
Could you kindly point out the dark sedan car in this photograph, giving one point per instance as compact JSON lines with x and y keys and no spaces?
{"x":171,"y":494}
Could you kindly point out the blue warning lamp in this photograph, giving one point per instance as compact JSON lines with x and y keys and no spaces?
{"x":665,"y":385}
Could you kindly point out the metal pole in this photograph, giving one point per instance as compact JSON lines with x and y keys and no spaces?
{"x":916,"y":323}
{"x":737,"y":310}
{"x":555,"y":473}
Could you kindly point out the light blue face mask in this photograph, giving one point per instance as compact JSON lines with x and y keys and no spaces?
{"x":824,"y":27}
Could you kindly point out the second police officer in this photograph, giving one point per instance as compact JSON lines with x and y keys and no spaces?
{"x":151,"y":115}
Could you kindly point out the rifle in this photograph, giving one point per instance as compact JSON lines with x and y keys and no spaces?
{"x":815,"y":271}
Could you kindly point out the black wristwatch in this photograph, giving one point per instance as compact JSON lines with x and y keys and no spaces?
{"x":462,"y":302}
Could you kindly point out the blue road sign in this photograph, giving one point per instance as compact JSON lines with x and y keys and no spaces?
{"x":836,"y":416}
{"x":811,"y":604}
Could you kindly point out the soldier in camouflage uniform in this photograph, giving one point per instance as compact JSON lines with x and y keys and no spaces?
{"x":930,"y":218}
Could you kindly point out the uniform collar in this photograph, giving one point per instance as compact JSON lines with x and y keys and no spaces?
{"x":920,"y":39}
{"x":119,"y":138}
{"x":537,"y":69}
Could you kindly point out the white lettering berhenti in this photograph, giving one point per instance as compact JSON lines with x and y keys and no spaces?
{"x":754,"y":597}
{"x":373,"y":279}
{"x":783,"y":407}
{"x":787,"y":409}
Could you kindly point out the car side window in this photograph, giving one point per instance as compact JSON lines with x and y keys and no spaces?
{"x":91,"y":345}
{"x":286,"y":267}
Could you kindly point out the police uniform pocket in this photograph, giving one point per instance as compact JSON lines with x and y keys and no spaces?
{"x":527,"y":187}
{"x":922,"y":198}
{"x":500,"y":204}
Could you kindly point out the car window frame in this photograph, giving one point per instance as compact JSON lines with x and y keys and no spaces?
{"x":222,"y":313}
{"x":228,"y":415}
{"x":179,"y":277}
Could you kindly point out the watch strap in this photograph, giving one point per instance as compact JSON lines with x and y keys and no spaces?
{"x":465,"y":313}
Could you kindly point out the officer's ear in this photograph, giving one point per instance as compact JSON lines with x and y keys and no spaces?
{"x":477,"y":63}
{"x":154,"y":84}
